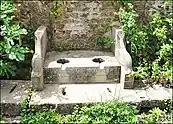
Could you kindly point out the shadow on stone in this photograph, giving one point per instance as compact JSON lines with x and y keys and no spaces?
{"x":98,"y":60}
{"x":62,"y":61}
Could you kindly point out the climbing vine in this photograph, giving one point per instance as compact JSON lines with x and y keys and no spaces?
{"x":150,"y":45}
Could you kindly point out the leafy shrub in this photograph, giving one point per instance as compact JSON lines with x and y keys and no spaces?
{"x":42,"y":118}
{"x":150,"y":44}
{"x":112,"y":112}
{"x":32,"y":117}
{"x":155,"y":116}
{"x":11,"y":49}
{"x":108,"y":112}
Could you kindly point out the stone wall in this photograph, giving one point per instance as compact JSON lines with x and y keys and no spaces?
{"x":79,"y":22}
{"x":35,"y":14}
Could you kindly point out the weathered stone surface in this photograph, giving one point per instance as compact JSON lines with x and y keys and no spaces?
{"x":12,"y":93}
{"x":78,"y":25}
{"x":54,"y":55}
{"x":81,"y":68}
{"x":82,"y":75}
{"x":36,"y":13}
{"x":39,"y":58}
{"x":91,"y":93}
{"x":86,"y":21}
{"x":81,"y":94}
{"x":129,"y":82}
{"x":11,"y":120}
{"x":120,"y":52}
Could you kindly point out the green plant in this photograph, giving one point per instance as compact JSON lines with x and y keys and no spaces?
{"x":57,"y":8}
{"x":104,"y":40}
{"x":43,"y":118}
{"x":107,"y":112}
{"x":149,"y":44}
{"x":124,"y":2}
{"x":11,"y":49}
{"x":29,"y":115}
{"x":25,"y":107}
{"x":156,"y":116}
{"x":112,"y":112}
{"x":1,"y":119}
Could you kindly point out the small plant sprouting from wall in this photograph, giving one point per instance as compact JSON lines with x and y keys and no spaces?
{"x":104,"y":41}
{"x":57,"y":8}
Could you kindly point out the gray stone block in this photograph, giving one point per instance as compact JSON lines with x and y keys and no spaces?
{"x":11,"y":99}
{"x":129,"y":82}
{"x":82,"y":75}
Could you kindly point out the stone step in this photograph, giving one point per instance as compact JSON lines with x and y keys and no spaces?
{"x":12,"y":120}
{"x":81,"y":67}
{"x":12,"y":93}
{"x":64,"y":97}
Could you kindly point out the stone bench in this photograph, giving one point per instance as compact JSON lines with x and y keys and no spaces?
{"x":80,"y":66}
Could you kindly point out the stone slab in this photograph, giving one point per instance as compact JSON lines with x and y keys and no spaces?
{"x":91,"y":93}
{"x":80,"y":59}
{"x":82,"y":75}
{"x":10,"y":102}
{"x":81,"y":68}
{"x":15,"y":120}
{"x":81,"y":94}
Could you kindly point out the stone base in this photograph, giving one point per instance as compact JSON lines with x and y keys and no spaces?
{"x":82,"y":94}
{"x":12,"y":93}
{"x":81,"y":68}
{"x":129,"y":82}
{"x":73,"y":75}
{"x":86,"y":94}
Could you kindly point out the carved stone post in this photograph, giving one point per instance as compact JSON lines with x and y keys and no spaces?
{"x":38,"y":58}
{"x":123,"y":57}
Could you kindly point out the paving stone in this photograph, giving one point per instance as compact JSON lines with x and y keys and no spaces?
{"x":91,"y":93}
{"x":10,"y":102}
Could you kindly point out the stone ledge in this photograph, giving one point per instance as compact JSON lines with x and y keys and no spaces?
{"x":81,"y":94}
{"x":82,"y":75}
{"x":91,"y":93}
{"x":11,"y":120}
{"x":12,"y":93}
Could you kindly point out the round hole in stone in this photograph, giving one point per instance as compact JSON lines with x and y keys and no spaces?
{"x":62,"y":61}
{"x":63,"y":91}
{"x":98,"y":60}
